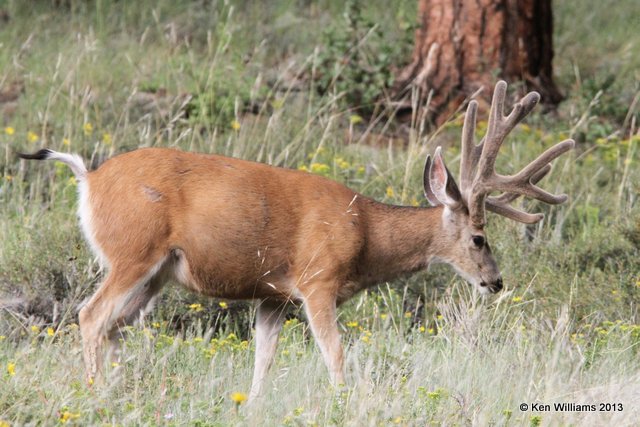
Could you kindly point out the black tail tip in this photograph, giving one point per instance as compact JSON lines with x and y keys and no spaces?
{"x":40,"y":155}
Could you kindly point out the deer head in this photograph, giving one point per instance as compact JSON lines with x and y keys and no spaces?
{"x":466,"y":246}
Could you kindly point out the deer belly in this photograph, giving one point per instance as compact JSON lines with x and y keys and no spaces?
{"x":233,"y":275}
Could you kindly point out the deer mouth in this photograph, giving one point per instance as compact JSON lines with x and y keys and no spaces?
{"x":493,"y":288}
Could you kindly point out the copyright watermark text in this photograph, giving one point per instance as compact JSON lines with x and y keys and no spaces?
{"x":571,"y":407}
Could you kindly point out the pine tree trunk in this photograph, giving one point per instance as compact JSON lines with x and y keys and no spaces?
{"x":463,"y":45}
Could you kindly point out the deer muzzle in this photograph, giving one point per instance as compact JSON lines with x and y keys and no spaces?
{"x":494,"y":287}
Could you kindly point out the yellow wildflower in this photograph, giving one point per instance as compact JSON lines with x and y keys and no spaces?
{"x":422,"y":329}
{"x":196,"y":307}
{"x":106,"y":138}
{"x":434,"y":394}
{"x":67,"y":416}
{"x":66,"y":142}
{"x":223,"y":305}
{"x":35,"y":329}
{"x":408,"y":315}
{"x":414,"y":201}
{"x":290,"y":322}
{"x":114,"y":364}
{"x":72,"y":181}
{"x":88,"y":129}
{"x":516,"y":299}
{"x":353,"y":324}
{"x":51,"y":332}
{"x":319,"y":168}
{"x":238,"y":398}
{"x":355,"y":119}
{"x":11,"y":368}
{"x":439,"y":317}
{"x":4,"y":423}
{"x":9,"y":130}
{"x":303,"y":168}
{"x":431,"y":331}
{"x":2,"y":337}
{"x":32,"y":136}
{"x":235,"y":125}
{"x":383,"y":316}
{"x":8,"y":178}
{"x":390,"y":192}
{"x":342,"y":163}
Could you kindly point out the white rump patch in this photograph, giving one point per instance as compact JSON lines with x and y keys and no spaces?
{"x":86,"y":222}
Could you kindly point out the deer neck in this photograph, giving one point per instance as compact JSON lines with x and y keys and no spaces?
{"x":400,"y":240}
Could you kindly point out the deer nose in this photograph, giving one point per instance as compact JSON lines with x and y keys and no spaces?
{"x":494,"y":287}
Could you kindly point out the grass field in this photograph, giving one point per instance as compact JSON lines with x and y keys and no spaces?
{"x":241,"y":79}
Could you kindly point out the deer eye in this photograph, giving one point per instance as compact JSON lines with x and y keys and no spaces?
{"x":478,"y":241}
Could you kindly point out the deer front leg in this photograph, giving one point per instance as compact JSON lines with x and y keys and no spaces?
{"x":320,"y":306}
{"x":269,"y":318}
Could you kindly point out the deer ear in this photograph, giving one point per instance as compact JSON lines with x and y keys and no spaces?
{"x":428,"y":193}
{"x":440,"y":184}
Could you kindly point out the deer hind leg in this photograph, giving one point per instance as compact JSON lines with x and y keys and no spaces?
{"x":320,"y":307}
{"x":97,"y":317}
{"x":140,"y":304}
{"x":269,"y":319}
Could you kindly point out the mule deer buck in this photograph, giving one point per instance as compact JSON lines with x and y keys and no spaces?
{"x":236,"y":229}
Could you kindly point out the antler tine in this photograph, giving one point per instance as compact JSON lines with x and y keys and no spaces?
{"x":523,"y":108}
{"x":500,"y":126}
{"x":521,"y":183}
{"x":506,"y":198}
{"x":494,"y":137}
{"x":470,"y":152}
{"x":500,"y":204}
{"x":513,"y":213}
{"x":543,"y":160}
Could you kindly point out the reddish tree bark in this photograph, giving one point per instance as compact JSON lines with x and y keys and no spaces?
{"x":463,"y":45}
